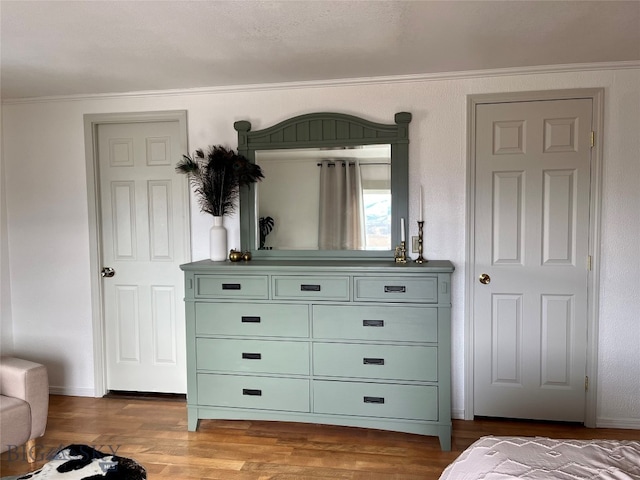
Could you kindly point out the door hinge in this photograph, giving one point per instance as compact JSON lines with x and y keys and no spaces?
{"x":593,"y":139}
{"x":589,"y":260}
{"x":586,"y":383}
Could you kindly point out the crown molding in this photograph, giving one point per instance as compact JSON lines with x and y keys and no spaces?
{"x":391,"y":79}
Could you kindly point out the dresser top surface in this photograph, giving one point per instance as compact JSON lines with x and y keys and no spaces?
{"x":327,"y":266}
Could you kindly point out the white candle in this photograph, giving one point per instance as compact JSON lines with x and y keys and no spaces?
{"x":402,"y":229}
{"x":420,"y":219}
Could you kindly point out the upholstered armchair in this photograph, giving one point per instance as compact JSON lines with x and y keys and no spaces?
{"x":24,"y":403}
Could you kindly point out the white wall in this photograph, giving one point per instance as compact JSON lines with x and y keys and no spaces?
{"x":6,"y":325}
{"x":48,"y":226}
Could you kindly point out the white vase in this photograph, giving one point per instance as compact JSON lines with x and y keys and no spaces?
{"x":218,"y":240}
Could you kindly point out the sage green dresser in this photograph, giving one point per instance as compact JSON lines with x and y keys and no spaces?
{"x":359,"y":343}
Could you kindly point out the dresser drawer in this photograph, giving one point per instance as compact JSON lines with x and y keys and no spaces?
{"x":388,"y":362}
{"x":265,"y":393}
{"x":302,"y":287}
{"x":396,"y":289}
{"x":380,"y":323}
{"x":252,"y":356}
{"x":265,"y":319}
{"x":376,"y":400}
{"x":232,"y":286}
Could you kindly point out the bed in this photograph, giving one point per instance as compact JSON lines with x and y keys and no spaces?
{"x":541,"y":458}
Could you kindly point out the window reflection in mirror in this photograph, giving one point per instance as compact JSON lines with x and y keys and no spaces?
{"x":291,"y":195}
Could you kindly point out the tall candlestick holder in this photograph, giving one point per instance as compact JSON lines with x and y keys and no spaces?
{"x":420,"y":258}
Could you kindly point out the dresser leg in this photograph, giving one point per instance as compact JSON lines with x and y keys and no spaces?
{"x":445,"y":439}
{"x":192,"y":419}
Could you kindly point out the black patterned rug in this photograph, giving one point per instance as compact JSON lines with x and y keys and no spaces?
{"x":82,"y":462}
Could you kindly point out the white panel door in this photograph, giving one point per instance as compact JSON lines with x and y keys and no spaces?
{"x":531,"y":226}
{"x":144,"y":219}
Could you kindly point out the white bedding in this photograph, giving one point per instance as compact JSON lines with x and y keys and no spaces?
{"x":540,"y":458}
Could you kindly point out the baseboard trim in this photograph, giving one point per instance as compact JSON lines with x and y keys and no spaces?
{"x":624,"y":423}
{"x":457,"y":414}
{"x":72,"y":392}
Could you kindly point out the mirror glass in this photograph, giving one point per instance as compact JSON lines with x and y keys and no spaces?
{"x":286,"y":223}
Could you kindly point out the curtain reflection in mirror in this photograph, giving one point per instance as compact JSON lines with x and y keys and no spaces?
{"x":290,"y":194}
{"x":341,"y":225}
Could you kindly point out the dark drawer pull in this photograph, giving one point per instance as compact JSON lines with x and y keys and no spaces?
{"x":395,"y":289}
{"x":250,"y":319}
{"x":373,"y":361}
{"x":251,"y":392}
{"x":309,"y":288}
{"x":231,"y":286}
{"x":252,"y":356}
{"x":379,"y":400}
{"x":373,"y":323}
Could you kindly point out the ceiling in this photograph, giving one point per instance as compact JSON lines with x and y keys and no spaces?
{"x":52,"y":48}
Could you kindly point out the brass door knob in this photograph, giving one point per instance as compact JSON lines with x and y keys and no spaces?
{"x":484,"y":279}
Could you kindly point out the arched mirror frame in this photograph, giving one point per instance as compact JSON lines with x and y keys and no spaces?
{"x":316,"y":130}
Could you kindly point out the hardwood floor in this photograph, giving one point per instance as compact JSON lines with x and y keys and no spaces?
{"x":154,"y":432}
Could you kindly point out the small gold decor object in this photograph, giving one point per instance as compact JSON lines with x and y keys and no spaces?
{"x":401,"y":253}
{"x":235,"y":255}
{"x":246,"y":256}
